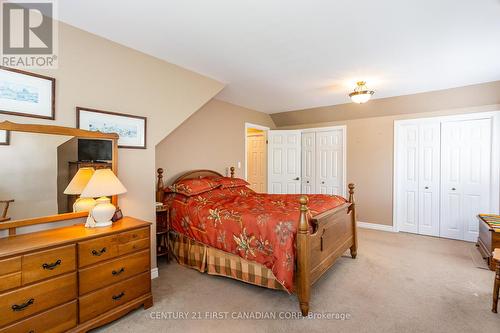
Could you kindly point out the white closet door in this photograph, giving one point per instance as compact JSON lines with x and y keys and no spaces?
{"x":284,"y":162}
{"x":308,"y":163}
{"x":330,"y":161}
{"x":408,"y":186}
{"x":428,"y":178}
{"x":465,"y":174}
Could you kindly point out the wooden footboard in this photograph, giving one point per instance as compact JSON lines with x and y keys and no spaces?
{"x":334,"y":232}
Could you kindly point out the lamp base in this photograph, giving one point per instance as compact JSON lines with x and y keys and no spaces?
{"x":103,"y":212}
{"x":84,"y":205}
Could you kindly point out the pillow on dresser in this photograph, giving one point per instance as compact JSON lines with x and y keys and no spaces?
{"x":228,"y":182}
{"x":195,"y":186}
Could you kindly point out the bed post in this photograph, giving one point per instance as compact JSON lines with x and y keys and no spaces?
{"x":232,"y":171}
{"x":303,"y":258}
{"x":352,"y":209}
{"x":160,"y":186}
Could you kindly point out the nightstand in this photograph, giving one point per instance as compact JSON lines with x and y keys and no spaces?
{"x":162,"y":229}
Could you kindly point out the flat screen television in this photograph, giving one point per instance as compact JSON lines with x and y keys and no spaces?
{"x":95,"y":150}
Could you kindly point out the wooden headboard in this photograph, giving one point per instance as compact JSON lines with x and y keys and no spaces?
{"x":160,"y":185}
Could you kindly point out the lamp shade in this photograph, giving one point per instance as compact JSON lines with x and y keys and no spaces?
{"x":79,"y":181}
{"x":103,"y":183}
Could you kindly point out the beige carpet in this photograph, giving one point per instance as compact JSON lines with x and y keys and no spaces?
{"x":399,"y":283}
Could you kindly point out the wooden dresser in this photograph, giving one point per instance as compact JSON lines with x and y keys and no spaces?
{"x":489,"y":239}
{"x":74,"y":278}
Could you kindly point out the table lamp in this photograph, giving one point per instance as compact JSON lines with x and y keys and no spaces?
{"x":103,"y":183}
{"x":76,"y":186}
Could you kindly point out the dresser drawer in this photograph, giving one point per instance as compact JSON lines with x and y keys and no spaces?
{"x":134,"y":235}
{"x":41,"y":265}
{"x":11,"y":265}
{"x":96,"y":250}
{"x":133,"y":246}
{"x":10,"y":273}
{"x":56,"y":320}
{"x":9,"y":281}
{"x":110,"y":272}
{"x":24,"y":302}
{"x":103,"y":300}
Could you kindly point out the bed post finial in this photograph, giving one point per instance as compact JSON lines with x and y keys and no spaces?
{"x":232,"y":171}
{"x":352,"y":210}
{"x":303,"y":258}
{"x":351,"y":192}
{"x":160,"y":186}
{"x":304,"y":200}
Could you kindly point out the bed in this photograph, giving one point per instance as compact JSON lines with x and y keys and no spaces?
{"x":284,"y":242}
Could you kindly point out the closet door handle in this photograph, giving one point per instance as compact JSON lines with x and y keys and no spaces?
{"x":453,"y":189}
{"x":296,"y":178}
{"x":427,"y":187}
{"x":322,"y":182}
{"x":307,"y":181}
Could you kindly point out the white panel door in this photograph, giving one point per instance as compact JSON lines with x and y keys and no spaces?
{"x":408,"y":174}
{"x":429,"y":143}
{"x":308,"y":163}
{"x":329,"y":162}
{"x":284,"y":162}
{"x":465,"y":176}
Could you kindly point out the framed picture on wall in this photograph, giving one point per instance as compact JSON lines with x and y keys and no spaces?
{"x":130,"y":129}
{"x":4,"y":138}
{"x":27,"y":94}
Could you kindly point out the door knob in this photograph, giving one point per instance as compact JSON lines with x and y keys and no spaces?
{"x":453,"y":189}
{"x":427,"y":187}
{"x":307,"y":181}
{"x":296,"y":178}
{"x":322,"y":182}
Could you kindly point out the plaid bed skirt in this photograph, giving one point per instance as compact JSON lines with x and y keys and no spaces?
{"x":204,"y":258}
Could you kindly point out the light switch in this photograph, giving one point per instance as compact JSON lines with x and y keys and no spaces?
{"x":239,"y":165}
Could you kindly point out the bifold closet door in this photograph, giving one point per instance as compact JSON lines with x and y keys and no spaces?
{"x":330,"y":162}
{"x":465,"y":174}
{"x":407,"y":150}
{"x":284,"y":162}
{"x":429,"y":178}
{"x":308,"y":163}
{"x":418,"y":178}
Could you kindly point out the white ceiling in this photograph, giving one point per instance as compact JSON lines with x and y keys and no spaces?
{"x":280,"y":55}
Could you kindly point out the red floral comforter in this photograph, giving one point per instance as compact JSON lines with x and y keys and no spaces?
{"x":257,"y":227}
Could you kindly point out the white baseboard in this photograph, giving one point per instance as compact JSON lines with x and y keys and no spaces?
{"x":375,"y":226}
{"x":154,"y":273}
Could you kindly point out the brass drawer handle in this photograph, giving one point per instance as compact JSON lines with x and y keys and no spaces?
{"x":23,"y":306}
{"x":98,"y":253}
{"x":117,"y":297}
{"x":52,"y":265}
{"x":121,"y":270}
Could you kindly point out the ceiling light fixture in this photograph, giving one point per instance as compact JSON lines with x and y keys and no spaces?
{"x":361,"y":94}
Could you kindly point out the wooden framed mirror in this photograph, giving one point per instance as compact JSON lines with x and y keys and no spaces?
{"x":37,"y":165}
